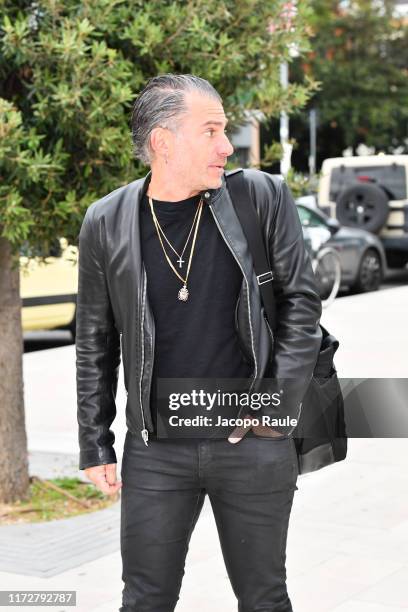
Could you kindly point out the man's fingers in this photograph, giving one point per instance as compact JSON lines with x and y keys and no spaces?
{"x":235,"y":435}
{"x":108,"y":489}
{"x":111,"y":473}
{"x":238,"y":433}
{"x":104,"y":478}
{"x":104,"y":486}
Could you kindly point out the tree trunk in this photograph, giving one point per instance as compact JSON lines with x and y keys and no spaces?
{"x":13,"y":440}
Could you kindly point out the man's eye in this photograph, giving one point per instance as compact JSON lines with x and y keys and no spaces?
{"x":211,"y":131}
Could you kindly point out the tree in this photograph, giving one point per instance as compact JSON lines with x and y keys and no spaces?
{"x":359,"y":57}
{"x":69,"y":73}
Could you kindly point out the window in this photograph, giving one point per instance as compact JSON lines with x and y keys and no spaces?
{"x":392,"y":178}
{"x":308,"y":218}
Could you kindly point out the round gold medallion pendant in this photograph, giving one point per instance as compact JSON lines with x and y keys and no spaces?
{"x":183,"y":294}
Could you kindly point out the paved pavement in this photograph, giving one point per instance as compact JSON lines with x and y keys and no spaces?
{"x":51,"y":548}
{"x":348,"y":538}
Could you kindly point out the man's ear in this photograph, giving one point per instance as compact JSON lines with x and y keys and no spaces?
{"x":159,"y":142}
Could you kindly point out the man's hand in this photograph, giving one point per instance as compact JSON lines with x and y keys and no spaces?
{"x":104,"y":478}
{"x":259,"y":430}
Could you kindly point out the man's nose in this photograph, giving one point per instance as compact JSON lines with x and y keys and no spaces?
{"x":225,"y":148}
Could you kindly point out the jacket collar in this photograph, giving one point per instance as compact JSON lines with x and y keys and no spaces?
{"x":227,"y":219}
{"x":214,"y":194}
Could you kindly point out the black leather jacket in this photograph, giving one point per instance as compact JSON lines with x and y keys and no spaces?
{"x":114,"y":317}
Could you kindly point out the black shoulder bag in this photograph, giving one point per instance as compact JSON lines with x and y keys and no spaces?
{"x":320,"y":435}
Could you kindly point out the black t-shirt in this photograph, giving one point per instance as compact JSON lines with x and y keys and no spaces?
{"x":196,"y":338}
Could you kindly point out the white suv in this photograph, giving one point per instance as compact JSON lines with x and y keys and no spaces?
{"x":370,"y":192}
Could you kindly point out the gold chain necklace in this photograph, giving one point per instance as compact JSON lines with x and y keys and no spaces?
{"x":183,"y":292}
{"x":180,"y":260}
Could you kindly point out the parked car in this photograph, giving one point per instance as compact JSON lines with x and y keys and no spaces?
{"x":310,"y":200}
{"x":49,"y":290}
{"x":362,"y":256}
{"x":370,"y":192}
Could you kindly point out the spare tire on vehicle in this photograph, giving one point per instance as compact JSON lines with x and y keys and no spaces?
{"x":363,"y":205}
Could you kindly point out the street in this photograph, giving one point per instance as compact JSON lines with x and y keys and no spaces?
{"x":348,"y":540}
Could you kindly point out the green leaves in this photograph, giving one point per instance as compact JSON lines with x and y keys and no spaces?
{"x":16,"y":220}
{"x":15,"y":37}
{"x":70,"y":70}
{"x":359,"y":56}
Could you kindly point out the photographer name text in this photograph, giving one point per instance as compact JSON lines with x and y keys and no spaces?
{"x":206,"y":421}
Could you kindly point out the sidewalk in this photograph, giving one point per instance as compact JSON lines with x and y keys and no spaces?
{"x":348,"y":538}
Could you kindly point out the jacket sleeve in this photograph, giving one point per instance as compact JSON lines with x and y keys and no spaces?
{"x":298,"y":334}
{"x":97,"y":353}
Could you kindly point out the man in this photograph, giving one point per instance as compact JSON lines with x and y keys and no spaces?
{"x":165,"y":269}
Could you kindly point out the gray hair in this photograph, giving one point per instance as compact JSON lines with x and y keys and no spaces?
{"x":161,"y":103}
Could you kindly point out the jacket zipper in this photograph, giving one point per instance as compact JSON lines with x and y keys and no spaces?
{"x":247,"y":286}
{"x":144,"y":432}
{"x":152,"y":342}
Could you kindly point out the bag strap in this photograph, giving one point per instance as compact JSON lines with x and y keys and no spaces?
{"x":242,"y":201}
{"x":240,"y":196}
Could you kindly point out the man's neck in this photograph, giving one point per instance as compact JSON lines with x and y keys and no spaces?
{"x":164,"y":189}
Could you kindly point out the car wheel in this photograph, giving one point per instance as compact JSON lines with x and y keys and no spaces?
{"x":364,"y":206}
{"x":370,"y":272}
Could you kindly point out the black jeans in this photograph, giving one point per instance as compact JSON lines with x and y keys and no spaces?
{"x":250,"y":486}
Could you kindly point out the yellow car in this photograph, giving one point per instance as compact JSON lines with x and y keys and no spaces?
{"x":49,"y":290}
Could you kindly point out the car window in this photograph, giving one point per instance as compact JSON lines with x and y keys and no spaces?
{"x":392,"y":178}
{"x":308,"y":218}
